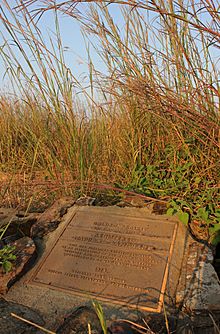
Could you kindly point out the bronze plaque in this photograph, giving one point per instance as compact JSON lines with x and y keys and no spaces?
{"x":118,"y":258}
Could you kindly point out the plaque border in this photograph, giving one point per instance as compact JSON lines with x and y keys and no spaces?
{"x":76,"y":292}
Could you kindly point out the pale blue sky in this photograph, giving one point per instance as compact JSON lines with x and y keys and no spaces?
{"x":76,"y":53}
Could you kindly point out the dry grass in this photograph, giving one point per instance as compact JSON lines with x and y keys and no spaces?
{"x":156,"y":127}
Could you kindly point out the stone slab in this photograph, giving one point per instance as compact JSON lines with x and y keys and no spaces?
{"x":11,"y":325}
{"x":114,"y":255}
{"x":55,"y":304}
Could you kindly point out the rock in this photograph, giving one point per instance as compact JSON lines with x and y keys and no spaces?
{"x":126,"y":327}
{"x":6,"y":215}
{"x":157,"y":323}
{"x":124,"y":204}
{"x":133,"y":201}
{"x":51,"y":218}
{"x":24,"y":251}
{"x":77,"y":322}
{"x":11,"y":325}
{"x":120,"y":327}
{"x":199,"y":230}
{"x":159,"y":208}
{"x":198,"y":292}
{"x":20,"y":223}
{"x":200,"y":284}
{"x":86,"y":200}
{"x":197,"y":323}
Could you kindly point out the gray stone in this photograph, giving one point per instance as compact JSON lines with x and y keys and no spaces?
{"x":11,"y":325}
{"x":199,"y":287}
{"x":6,"y":215}
{"x":24,"y":251}
{"x":85,"y":200}
{"x":51,"y":218}
{"x":198,"y":294}
{"x":135,"y":201}
{"x":19,"y":223}
{"x":55,"y":302}
{"x":123,"y":327}
{"x":78,"y":321}
{"x":192,"y":283}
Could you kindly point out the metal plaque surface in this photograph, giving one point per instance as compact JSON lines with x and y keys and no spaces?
{"x":106,"y":255}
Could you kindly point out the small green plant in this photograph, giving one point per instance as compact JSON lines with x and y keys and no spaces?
{"x":99,"y":311}
{"x":207,"y":215}
{"x":6,"y":252}
{"x":7,"y":256}
{"x":181,"y":209}
{"x":210,"y":216}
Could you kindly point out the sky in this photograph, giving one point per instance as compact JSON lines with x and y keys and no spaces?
{"x":75,"y":46}
{"x":74,"y":43}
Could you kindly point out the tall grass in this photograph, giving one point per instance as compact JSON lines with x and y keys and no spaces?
{"x":156,"y":126}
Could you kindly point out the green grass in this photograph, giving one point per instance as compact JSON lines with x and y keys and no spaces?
{"x":155,"y":128}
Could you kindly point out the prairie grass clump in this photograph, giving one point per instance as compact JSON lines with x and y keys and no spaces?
{"x":154,"y":127}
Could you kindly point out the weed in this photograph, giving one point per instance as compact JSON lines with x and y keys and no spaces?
{"x":207,"y":216}
{"x":179,"y":208}
{"x":99,"y":311}
{"x":7,"y":257}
